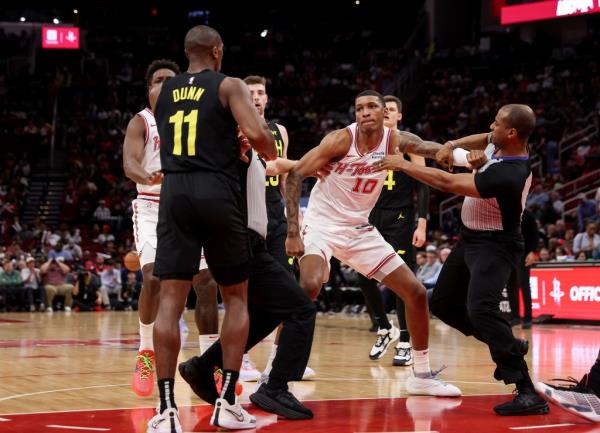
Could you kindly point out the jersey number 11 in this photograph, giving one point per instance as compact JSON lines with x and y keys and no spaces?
{"x":178,"y":119}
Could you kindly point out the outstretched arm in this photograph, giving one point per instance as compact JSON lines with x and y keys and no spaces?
{"x":280,"y":166}
{"x":235,"y":95}
{"x":406,"y":142}
{"x":445,"y":156}
{"x":333,"y":146}
{"x":461,"y":183}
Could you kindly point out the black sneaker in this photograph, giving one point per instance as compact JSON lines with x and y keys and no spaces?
{"x":526,"y":402}
{"x":526,"y":324}
{"x":280,"y":402}
{"x":200,"y":378}
{"x":523,"y":346}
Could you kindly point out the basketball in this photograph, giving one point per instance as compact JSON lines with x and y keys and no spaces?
{"x":132,"y":261}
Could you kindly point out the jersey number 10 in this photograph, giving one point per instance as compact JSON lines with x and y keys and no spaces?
{"x":178,"y":119}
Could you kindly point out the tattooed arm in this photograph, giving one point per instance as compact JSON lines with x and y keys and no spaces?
{"x":333,"y":146}
{"x":406,"y":142}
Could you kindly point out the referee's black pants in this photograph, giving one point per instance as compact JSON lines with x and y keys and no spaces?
{"x":274,"y":296}
{"x":468,"y":294}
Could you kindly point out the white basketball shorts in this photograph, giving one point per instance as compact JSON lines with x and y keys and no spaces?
{"x":362,"y":248}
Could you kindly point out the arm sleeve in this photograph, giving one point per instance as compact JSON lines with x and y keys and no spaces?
{"x":422,"y":199}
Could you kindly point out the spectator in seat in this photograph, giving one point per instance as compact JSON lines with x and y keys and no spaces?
{"x":102,"y":213}
{"x":587,"y":240}
{"x":32,"y":280}
{"x":54,"y":276}
{"x":86,"y":292}
{"x":428,"y":273}
{"x":72,"y":249}
{"x":585,"y":211}
{"x":110,"y":285}
{"x":11,"y":287}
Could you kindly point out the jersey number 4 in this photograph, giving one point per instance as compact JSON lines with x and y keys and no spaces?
{"x":389,"y":180}
{"x":178,"y":119}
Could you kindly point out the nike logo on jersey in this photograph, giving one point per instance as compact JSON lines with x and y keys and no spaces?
{"x":400,"y":216}
{"x":238,"y":416}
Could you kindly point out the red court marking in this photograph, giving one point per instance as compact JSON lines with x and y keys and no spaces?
{"x":13,"y":321}
{"x":467,"y":414}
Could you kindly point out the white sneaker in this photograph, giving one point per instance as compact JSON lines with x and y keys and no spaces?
{"x":430,"y":386}
{"x":248,"y":372}
{"x":67,"y":309}
{"x":309,"y":373}
{"x":580,"y":402}
{"x":233,"y":417}
{"x":385,"y":337}
{"x":403,"y":355}
{"x":165,"y":422}
{"x":49,"y":310}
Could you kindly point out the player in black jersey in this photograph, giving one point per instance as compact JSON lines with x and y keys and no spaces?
{"x":198,"y":113}
{"x":277,"y":228}
{"x":394,"y":217}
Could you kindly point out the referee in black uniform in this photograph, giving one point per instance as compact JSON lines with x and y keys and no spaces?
{"x":197,"y":114}
{"x":469,"y":288}
{"x":394,"y":217}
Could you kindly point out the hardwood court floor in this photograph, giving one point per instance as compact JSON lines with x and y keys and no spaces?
{"x":68,"y":372}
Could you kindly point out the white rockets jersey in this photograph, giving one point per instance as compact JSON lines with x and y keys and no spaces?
{"x":151,"y":160}
{"x":348,"y":194}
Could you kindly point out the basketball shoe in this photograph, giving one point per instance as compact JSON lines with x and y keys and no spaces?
{"x":385,"y":337}
{"x":165,"y":422}
{"x":281,"y":402}
{"x":143,"y":376}
{"x":248,"y":371}
{"x":431,"y":385}
{"x":576,"y":397}
{"x":525,"y":402}
{"x":231,"y":416}
{"x":200,"y":377}
{"x":403,"y":355}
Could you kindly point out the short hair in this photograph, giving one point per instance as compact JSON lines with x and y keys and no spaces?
{"x":371,"y":93}
{"x":521,"y":117}
{"x":200,"y":39}
{"x":392,"y":98}
{"x":160,"y":64}
{"x":255,"y":79}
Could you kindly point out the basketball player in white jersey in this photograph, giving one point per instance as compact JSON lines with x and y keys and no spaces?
{"x":336,"y":222}
{"x":141,"y":163}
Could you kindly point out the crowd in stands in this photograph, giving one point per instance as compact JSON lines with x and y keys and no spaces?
{"x":78,"y":262}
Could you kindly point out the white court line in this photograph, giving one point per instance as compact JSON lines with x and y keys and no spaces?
{"x":541,"y":426}
{"x":73,"y":427}
{"x":4,"y":419}
{"x":29,"y":394}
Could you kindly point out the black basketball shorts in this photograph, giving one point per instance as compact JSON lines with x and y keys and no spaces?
{"x":201,"y":210}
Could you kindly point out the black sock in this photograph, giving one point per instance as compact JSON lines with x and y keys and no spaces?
{"x":167,"y":397}
{"x":230,"y":378}
{"x":404,"y":336}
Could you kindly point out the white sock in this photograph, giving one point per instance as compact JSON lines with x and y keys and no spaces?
{"x":206,"y":341}
{"x":146,"y":332}
{"x":270,"y":360}
{"x":421,"y":365}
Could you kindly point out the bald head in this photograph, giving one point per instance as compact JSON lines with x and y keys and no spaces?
{"x":521,"y":118}
{"x":200,"y":40}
